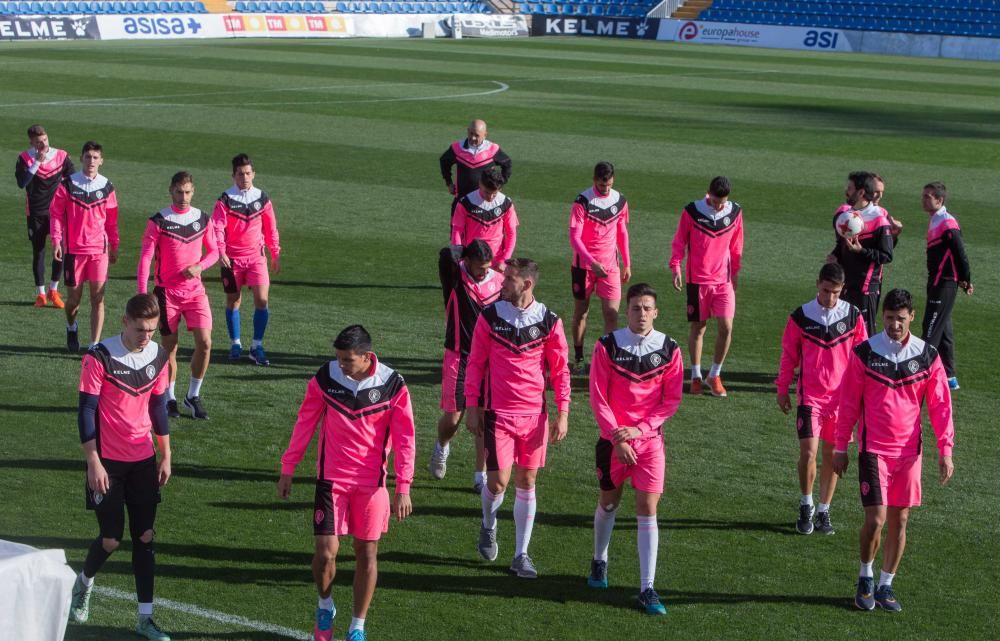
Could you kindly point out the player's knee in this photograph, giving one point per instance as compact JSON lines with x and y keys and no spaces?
{"x":110,"y":545}
{"x":609,"y":508}
{"x":147,"y":536}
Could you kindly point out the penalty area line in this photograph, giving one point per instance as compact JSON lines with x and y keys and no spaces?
{"x":205,"y":613}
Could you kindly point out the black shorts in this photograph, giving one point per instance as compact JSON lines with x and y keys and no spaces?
{"x":38,"y":228}
{"x":136,"y":483}
{"x":603,"y":452}
{"x":323,"y":524}
{"x":578,"y":278}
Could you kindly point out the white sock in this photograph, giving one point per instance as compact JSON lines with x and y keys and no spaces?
{"x":648,"y":543}
{"x":236,"y":341}
{"x":72,"y":327}
{"x":491,"y":504}
{"x":479,"y":478}
{"x":53,"y":285}
{"x":439,"y":449}
{"x":255,"y":344}
{"x":357,"y":624}
{"x":715,"y":370}
{"x":524,"y":520}
{"x":145,"y":610}
{"x":885,"y":578}
{"x":695,"y":371}
{"x":806,"y":499}
{"x":86,"y":580}
{"x":326,"y":604}
{"x":40,"y":290}
{"x":170,"y":391}
{"x":866,"y":570}
{"x":194,"y":387}
{"x":604,"y":522}
{"x":823,"y":507}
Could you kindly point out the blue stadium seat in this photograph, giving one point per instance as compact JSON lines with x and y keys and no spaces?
{"x":395,"y":7}
{"x":408,"y":7}
{"x":341,"y":7}
{"x":240,"y":6}
{"x":283,"y":7}
{"x":188,"y":7}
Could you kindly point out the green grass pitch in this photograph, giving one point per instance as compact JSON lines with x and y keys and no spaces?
{"x":346,"y":137}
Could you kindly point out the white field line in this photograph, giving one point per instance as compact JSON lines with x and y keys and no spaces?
{"x":128,"y":100}
{"x":204,"y":613}
{"x":501,"y":87}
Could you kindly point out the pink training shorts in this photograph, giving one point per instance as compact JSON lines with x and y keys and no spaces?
{"x":708,"y":301}
{"x":360,"y":511}
{"x":510,"y":439}
{"x":647,"y":474}
{"x":175,"y":304}
{"x":83,"y":268}
{"x":893,"y":481}
{"x":585,"y":283}
{"x":245,"y":272}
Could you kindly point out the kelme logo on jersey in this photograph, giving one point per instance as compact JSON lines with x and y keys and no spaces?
{"x":150,"y":372}
{"x":841,"y":327}
{"x":374,"y":395}
{"x":913,"y":366}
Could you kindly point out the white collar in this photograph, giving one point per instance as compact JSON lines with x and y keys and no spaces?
{"x":895,"y":351}
{"x":638,"y":344}
{"x":707,"y":210}
{"x":134,"y":360}
{"x":477,"y":199}
{"x":531,"y":315}
{"x":378,"y":378}
{"x":826,"y":316}
{"x":483,"y":146}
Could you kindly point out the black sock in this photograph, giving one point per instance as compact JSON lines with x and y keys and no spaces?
{"x":96,"y":556}
{"x":143,"y":564}
{"x":578,"y":349}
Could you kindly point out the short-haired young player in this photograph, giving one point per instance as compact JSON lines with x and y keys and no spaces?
{"x":84,"y":227}
{"x":710,"y":231}
{"x":486,"y":214}
{"x":468,"y":286}
{"x":889,"y":378}
{"x":598,"y":234}
{"x":818,"y":340}
{"x":38,"y":171}
{"x":947,"y":272}
{"x":513,"y":344}
{"x":123,"y":384}
{"x":636,"y":382}
{"x":244,"y":225}
{"x":865,"y":255}
{"x":362,"y":408}
{"x":176,"y":235}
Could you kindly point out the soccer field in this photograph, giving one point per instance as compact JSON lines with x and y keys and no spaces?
{"x":346,"y":137}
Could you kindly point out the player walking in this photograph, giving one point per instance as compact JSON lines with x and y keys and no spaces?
{"x":513,"y":343}
{"x":889,"y":377}
{"x":176,"y":235}
{"x":39,"y":170}
{"x":947,"y":272}
{"x":864,"y":256}
{"x":711,"y":232}
{"x":468,"y":287}
{"x":598,"y":233}
{"x":363,"y":408}
{"x":123,"y":384}
{"x":84,"y":228}
{"x":818,"y":340}
{"x":472,"y":157}
{"x":486,"y":214}
{"x":244,"y":224}
{"x":636,"y":383}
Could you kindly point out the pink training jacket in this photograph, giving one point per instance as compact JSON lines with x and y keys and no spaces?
{"x":176,"y":237}
{"x":83,"y":216}
{"x":713,"y":241}
{"x":598,"y":230}
{"x":123,"y":382}
{"x":819,"y":342}
{"x":510,"y":349}
{"x":494,"y":222}
{"x":883,"y":389}
{"x":635,"y":381}
{"x":863,"y":270}
{"x":362,"y":421}
{"x":946,"y":257}
{"x":244,"y":223}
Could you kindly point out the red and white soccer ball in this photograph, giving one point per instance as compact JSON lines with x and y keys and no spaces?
{"x":850,"y":224}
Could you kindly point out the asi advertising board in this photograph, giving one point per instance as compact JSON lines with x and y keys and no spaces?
{"x":594,"y":26}
{"x":49,"y":28}
{"x":756,"y":35}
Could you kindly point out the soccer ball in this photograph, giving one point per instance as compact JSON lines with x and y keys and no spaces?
{"x":850,"y":224}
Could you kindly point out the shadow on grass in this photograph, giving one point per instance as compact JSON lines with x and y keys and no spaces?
{"x":108,"y":633}
{"x":308,"y":283}
{"x":180,"y":470}
{"x":45,"y":409}
{"x":48,"y":351}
